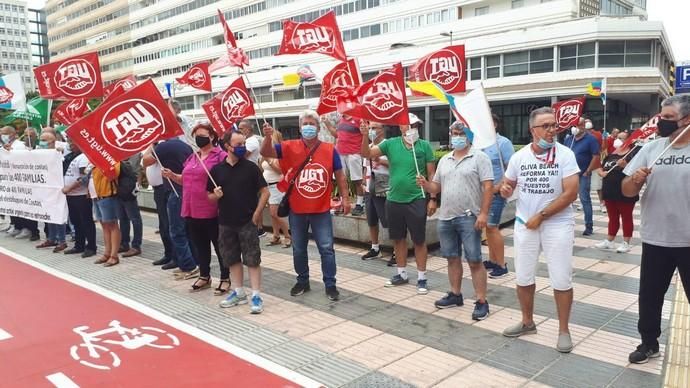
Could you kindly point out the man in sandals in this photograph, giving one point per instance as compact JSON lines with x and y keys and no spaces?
{"x":242,"y":194}
{"x":547,"y":176}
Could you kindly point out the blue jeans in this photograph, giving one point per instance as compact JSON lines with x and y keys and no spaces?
{"x":460,"y":233}
{"x":586,"y":199}
{"x":322,"y":230}
{"x":178,"y":232}
{"x":129,"y":212}
{"x":160,"y":196}
{"x":56,"y":233}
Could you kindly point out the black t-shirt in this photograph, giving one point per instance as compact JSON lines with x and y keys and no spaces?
{"x":241,"y":184}
{"x":611,"y":184}
{"x":172,"y":154}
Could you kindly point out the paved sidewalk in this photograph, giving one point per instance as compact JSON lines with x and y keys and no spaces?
{"x":380,"y":337}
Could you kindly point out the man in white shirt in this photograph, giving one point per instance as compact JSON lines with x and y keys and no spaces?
{"x":252,"y":142}
{"x":79,"y":203}
{"x":8,"y":140}
{"x":546,"y":175}
{"x":160,"y":196}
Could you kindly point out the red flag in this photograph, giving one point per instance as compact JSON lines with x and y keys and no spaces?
{"x":568,"y":112}
{"x":123,"y":126}
{"x":643,"y":132}
{"x":236,"y":56}
{"x":320,"y":36}
{"x":446,"y":67}
{"x":219,"y":63}
{"x":120,"y":86}
{"x":380,"y":99}
{"x":341,"y":81}
{"x":232,"y":105}
{"x":197,"y":77}
{"x":74,"y":77}
{"x":71,"y":111}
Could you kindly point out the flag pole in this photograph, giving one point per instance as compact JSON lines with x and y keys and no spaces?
{"x":153,"y":150}
{"x":205,"y":169}
{"x":258,"y":105}
{"x":416,"y":165}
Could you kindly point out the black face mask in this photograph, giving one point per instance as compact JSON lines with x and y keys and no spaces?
{"x":202,"y":141}
{"x":667,"y":127}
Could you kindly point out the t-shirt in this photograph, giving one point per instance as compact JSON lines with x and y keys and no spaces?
{"x":349,"y":139}
{"x":241,"y":184}
{"x":584,"y":149}
{"x":172,"y":154}
{"x":611,"y":184}
{"x":461,"y":183}
{"x":506,"y":152}
{"x":72,"y":174}
{"x":154,"y":175}
{"x":403,"y":172}
{"x":253,"y":144}
{"x":665,"y":204}
{"x":539,"y":183}
{"x":380,"y":184}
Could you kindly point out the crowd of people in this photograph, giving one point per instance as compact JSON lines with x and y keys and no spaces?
{"x":211,"y":191}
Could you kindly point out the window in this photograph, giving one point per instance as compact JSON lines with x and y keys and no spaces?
{"x":492,"y":66}
{"x":474,"y":69}
{"x":479,"y":11}
{"x":263,"y":94}
{"x":186,"y":102}
{"x":576,"y":56}
{"x":541,"y":60}
{"x":638,"y":53}
{"x":369,"y":75}
{"x":517,"y":4}
{"x":612,"y":54}
{"x":516,"y":63}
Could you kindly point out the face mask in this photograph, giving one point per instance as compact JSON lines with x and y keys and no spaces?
{"x":5,"y":139}
{"x":43,"y":145}
{"x":588,"y":125}
{"x":308,"y":131}
{"x":202,"y":141}
{"x":372,"y":134}
{"x":411,"y":136}
{"x":543,"y":144}
{"x":617,"y":143}
{"x":239,"y":151}
{"x":666,"y":127}
{"x":458,"y":142}
{"x":574,"y":130}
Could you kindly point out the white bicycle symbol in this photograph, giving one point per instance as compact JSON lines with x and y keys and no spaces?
{"x":91,"y":354}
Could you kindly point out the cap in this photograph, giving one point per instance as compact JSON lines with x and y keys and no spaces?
{"x":414,"y":119}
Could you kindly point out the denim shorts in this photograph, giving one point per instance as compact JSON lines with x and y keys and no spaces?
{"x":107,"y":209}
{"x":458,"y":234}
{"x":496,"y":210}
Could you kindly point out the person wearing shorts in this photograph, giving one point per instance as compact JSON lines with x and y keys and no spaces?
{"x":546,"y":174}
{"x":107,"y":210}
{"x":242,"y":194}
{"x":273,"y":175}
{"x":464,"y":178}
{"x":406,"y":203}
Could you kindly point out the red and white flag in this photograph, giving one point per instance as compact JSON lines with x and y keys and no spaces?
{"x":74,"y":77}
{"x":236,"y":56}
{"x":120,"y":86}
{"x":228,"y":107}
{"x":340,"y":82}
{"x":568,"y":112}
{"x":71,"y":111}
{"x":320,"y":36}
{"x":446,"y":67}
{"x":197,"y":77}
{"x":123,"y":126}
{"x":381,"y":99}
{"x":643,"y":132}
{"x":219,"y":63}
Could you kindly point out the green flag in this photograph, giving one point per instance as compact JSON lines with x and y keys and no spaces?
{"x":37,"y":113}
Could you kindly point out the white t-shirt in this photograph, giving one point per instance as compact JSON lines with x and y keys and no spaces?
{"x":539,"y":183}
{"x":154,"y":175}
{"x":72,"y":174}
{"x":270,"y":175}
{"x":253,"y":144}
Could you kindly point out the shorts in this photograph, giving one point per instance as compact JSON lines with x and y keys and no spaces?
{"x":496,"y":210}
{"x":596,"y":182}
{"x":239,"y":244}
{"x":459,"y":233}
{"x":376,"y":211}
{"x":276,"y":195}
{"x":352,"y":164}
{"x":407,"y":216}
{"x":107,"y":209}
{"x":556,"y":241}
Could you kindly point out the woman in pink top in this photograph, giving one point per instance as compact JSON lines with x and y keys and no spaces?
{"x":201,"y":214}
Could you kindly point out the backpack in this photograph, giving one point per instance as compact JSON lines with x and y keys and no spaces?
{"x":126,"y":182}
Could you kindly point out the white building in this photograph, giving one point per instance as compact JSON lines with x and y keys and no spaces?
{"x":527,"y":53}
{"x":15,"y":42}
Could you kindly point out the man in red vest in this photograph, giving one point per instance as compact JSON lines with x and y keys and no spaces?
{"x":310,"y":198}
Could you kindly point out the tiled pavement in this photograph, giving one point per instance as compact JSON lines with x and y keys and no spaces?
{"x":378,"y":337}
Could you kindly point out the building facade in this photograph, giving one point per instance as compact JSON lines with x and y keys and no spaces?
{"x":15,"y":42}
{"x":526,"y":53}
{"x":38,"y":30}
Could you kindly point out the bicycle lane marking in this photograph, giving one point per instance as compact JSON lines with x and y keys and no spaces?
{"x":42,"y":307}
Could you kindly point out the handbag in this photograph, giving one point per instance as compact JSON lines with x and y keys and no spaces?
{"x":284,"y":206}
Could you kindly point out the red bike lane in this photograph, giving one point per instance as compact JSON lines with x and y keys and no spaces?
{"x":115,"y":346}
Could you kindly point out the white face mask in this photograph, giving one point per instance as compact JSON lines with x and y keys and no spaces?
{"x":617,"y":143}
{"x":574,"y":130}
{"x":588,"y":125}
{"x":411,"y":136}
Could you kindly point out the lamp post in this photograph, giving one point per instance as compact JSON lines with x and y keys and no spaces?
{"x":448,"y":34}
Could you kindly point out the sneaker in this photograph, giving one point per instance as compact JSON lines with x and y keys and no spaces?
{"x":392,"y":261}
{"x":372,"y":254}
{"x":499,"y":272}
{"x":299,"y":289}
{"x":358,"y":210}
{"x":25,"y":233}
{"x":565,"y":343}
{"x":624,"y":247}
{"x":450,"y":300}
{"x":643,"y":353}
{"x":5,"y":227}
{"x":421,"y":287}
{"x":602,"y":209}
{"x":588,"y":232}
{"x":604,"y":244}
{"x":396,"y":280}
{"x":332,"y":293}
{"x":12,"y":231}
{"x":257,"y":305}
{"x":481,"y":310}
{"x":233,"y":299}
{"x":489,"y":265}
{"x":578,"y":208}
{"x":261,"y":233}
{"x":520,"y":329}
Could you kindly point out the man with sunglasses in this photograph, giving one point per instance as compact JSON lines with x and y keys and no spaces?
{"x":546,"y":175}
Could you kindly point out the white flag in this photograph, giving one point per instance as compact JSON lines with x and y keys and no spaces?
{"x":474,"y":109}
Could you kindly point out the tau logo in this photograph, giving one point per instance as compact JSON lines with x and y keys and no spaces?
{"x":568,"y":113}
{"x":197,"y":78}
{"x":234,"y":104}
{"x":131,"y":125}
{"x":75,"y":105}
{"x":384,"y":100}
{"x":445,"y":68}
{"x":340,"y":82}
{"x":314,"y":38}
{"x":5,"y":95}
{"x":313,"y":181}
{"x":75,"y":77}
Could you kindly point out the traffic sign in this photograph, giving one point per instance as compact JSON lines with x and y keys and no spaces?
{"x":683,"y":79}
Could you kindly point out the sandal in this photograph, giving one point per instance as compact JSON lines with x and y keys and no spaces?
{"x":287,"y":243}
{"x":102,"y":259}
{"x":114,"y":260}
{"x":274,"y":241}
{"x":220,"y":290}
{"x":207,"y":283}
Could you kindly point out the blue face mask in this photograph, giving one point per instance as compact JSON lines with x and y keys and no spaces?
{"x":6,"y":139}
{"x":308,"y":131}
{"x":372,"y":134}
{"x":43,"y":145}
{"x":543,"y":144}
{"x":458,"y":142}
{"x":239,"y":151}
